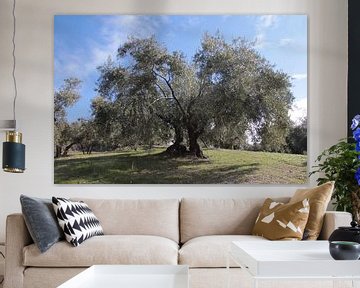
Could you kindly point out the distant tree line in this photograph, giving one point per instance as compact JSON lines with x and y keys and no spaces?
{"x":228,"y":96}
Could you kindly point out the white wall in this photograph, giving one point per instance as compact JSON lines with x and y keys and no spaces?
{"x":327,"y":89}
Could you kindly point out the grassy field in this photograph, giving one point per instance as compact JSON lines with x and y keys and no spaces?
{"x":152,"y":167}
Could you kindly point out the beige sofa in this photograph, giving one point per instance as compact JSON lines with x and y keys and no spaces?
{"x":194,"y":232}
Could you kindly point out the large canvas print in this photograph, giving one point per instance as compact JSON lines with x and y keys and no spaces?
{"x":180,"y":99}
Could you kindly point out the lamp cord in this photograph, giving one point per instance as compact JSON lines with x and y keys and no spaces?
{"x":2,"y":280}
{"x":14,"y":60}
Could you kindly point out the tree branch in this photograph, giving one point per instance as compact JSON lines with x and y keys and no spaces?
{"x":167,"y":120}
{"x":162,"y":90}
{"x":171,"y":90}
{"x":192,"y":101}
{"x":158,"y":99}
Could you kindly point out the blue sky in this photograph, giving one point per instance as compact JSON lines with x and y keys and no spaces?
{"x":83,"y":42}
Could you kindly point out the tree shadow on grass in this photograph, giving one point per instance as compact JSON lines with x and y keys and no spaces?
{"x":132,"y":168}
{"x":230,"y":174}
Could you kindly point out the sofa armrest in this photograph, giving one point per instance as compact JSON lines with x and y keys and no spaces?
{"x":17,"y":237}
{"x":333,"y":220}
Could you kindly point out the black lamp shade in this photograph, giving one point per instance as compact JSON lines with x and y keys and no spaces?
{"x":13,"y":157}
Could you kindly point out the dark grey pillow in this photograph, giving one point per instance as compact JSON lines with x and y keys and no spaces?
{"x":41,"y":221}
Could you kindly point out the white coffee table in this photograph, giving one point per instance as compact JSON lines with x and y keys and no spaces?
{"x":292,"y":260}
{"x":131,"y":276}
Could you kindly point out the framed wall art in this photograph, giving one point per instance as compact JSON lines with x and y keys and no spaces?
{"x":180,"y":99}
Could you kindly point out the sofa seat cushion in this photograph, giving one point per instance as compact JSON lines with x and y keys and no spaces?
{"x":107,"y":249}
{"x":211,"y":251}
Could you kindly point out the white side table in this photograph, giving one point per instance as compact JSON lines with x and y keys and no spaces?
{"x":131,"y":276}
{"x":294,"y":262}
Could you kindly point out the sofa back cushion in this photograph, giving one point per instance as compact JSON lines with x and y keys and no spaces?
{"x":159,"y":217}
{"x":200,"y":217}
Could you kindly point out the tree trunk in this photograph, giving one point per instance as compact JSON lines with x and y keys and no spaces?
{"x":179,"y":136}
{"x":89,"y":150}
{"x":177,"y":149}
{"x":67,"y":148}
{"x":82,"y":149}
{"x":58,"y":151}
{"x":194,"y":147}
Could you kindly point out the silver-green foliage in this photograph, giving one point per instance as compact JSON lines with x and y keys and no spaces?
{"x":155,"y":95}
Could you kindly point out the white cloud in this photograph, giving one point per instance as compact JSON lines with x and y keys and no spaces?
{"x":69,"y":64}
{"x":225,"y":17}
{"x":292,"y":45}
{"x":126,"y":20}
{"x":259,"y":41}
{"x":285,"y":42}
{"x":117,"y":29}
{"x":267,"y":21}
{"x":298,"y":110}
{"x":300,"y":76}
{"x":264,"y":23}
{"x":138,"y":26}
{"x":191,"y":22}
{"x":114,"y":32}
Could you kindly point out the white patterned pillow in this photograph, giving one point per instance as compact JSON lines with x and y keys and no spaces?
{"x":77,"y":220}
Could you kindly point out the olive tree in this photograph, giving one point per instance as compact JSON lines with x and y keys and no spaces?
{"x":225,"y":86}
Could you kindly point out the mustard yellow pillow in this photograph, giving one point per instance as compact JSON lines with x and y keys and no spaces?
{"x":319,"y":198}
{"x":279,"y":221}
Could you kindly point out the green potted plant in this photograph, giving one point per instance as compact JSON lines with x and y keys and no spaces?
{"x":341,"y":163}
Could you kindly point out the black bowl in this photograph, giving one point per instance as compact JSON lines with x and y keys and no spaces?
{"x":344,"y":250}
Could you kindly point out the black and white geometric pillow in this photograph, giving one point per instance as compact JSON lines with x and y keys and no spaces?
{"x":77,"y":220}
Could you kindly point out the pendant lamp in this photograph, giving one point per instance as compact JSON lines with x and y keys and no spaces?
{"x":13,"y":150}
